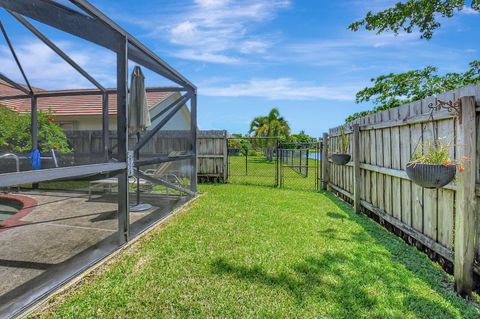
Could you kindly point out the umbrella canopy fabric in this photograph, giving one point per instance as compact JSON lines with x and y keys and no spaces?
{"x":138,"y":112}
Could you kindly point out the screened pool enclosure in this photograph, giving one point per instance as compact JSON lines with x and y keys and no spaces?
{"x":76,"y":183}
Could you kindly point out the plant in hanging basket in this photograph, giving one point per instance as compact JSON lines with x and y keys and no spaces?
{"x":434,"y":169}
{"x":341,"y":157}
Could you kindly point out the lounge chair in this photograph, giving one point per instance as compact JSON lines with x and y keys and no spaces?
{"x":159,"y":173}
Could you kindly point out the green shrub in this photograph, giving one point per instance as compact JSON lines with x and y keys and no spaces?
{"x":15,"y":132}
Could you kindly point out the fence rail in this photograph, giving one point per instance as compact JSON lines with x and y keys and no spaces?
{"x":381,"y":145}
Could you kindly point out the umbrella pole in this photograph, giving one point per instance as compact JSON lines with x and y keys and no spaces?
{"x":139,"y":207}
{"x":138,"y":174}
{"x":137,"y":105}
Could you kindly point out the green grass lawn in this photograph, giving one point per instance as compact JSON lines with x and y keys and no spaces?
{"x":258,"y":252}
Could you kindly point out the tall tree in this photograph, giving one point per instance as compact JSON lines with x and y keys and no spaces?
{"x":421,"y":14}
{"x":272,"y":125}
{"x":395,"y":89}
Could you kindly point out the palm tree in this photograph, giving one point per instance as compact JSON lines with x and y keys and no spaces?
{"x":272,"y":125}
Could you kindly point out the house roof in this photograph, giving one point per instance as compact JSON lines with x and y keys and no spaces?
{"x":71,"y":105}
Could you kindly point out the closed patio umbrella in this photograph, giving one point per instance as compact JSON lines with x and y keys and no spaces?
{"x":138,"y":112}
{"x":138,"y":120}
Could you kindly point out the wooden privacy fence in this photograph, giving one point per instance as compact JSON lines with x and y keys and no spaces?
{"x":212,"y":156}
{"x":211,"y":148}
{"x":443,"y":220}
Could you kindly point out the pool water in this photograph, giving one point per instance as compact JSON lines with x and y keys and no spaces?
{"x":8,"y":208}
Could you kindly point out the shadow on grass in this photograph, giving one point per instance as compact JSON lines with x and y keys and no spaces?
{"x":336,"y":215}
{"x":309,"y":279}
{"x":352,"y":279}
{"x":257,"y":160}
{"x":414,"y":261}
{"x":341,"y":279}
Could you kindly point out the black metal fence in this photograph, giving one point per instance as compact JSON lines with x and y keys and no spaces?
{"x":299,"y":165}
{"x":267,"y":162}
{"x":253,"y":161}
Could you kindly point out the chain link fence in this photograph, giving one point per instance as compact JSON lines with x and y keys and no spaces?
{"x":299,"y":165}
{"x":253,"y":161}
{"x":267,"y":162}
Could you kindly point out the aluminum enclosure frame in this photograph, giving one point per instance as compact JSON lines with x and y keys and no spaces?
{"x":92,"y":25}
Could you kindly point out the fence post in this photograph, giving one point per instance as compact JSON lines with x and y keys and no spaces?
{"x":225,"y":157}
{"x":465,"y":221}
{"x":356,"y":168}
{"x":276,"y":162}
{"x":246,"y":162}
{"x":324,"y":161}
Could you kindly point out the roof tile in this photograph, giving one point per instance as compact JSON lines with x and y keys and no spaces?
{"x":71,"y":105}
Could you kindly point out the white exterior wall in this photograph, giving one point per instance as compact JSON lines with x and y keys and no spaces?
{"x":180,"y":121}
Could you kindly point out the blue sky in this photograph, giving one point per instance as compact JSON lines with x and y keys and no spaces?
{"x":249,"y":56}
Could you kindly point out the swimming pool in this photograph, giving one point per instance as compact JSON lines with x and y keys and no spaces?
{"x":9,"y":207}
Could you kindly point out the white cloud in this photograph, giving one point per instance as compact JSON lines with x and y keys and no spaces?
{"x":206,"y":57}
{"x":282,"y":89}
{"x":348,"y":49}
{"x":253,"y":46}
{"x":211,"y":3}
{"x":213,"y":28}
{"x":46,"y":70}
{"x":469,"y":10}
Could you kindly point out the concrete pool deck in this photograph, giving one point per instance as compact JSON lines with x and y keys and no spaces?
{"x":63,"y":227}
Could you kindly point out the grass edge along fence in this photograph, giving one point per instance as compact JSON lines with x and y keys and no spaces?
{"x":442,"y":221}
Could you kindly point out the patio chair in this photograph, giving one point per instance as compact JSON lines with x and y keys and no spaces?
{"x":110,"y":183}
{"x":161,"y":173}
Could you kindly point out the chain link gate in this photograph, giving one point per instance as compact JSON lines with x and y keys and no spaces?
{"x":253,"y":161}
{"x":267,"y":162}
{"x":299,"y":165}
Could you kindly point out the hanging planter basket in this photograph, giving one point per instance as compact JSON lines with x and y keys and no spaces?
{"x":341,"y":159}
{"x":431,"y":175}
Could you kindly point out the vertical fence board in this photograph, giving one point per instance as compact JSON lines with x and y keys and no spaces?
{"x":325,"y":163}
{"x":416,"y":146}
{"x":368,"y":142}
{"x":405,"y":150}
{"x":356,"y":168}
{"x":429,"y":132}
{"x":465,"y":219}
{"x":373,"y":161}
{"x":446,"y":198}
{"x":395,"y":163}
{"x":379,"y":161}
{"x":387,"y":155}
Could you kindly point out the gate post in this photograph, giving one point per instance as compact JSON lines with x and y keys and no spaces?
{"x":465,"y":204}
{"x":300,"y":161}
{"x":276,"y":162}
{"x":246,"y":162}
{"x":356,"y":168}
{"x":325,"y":178}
